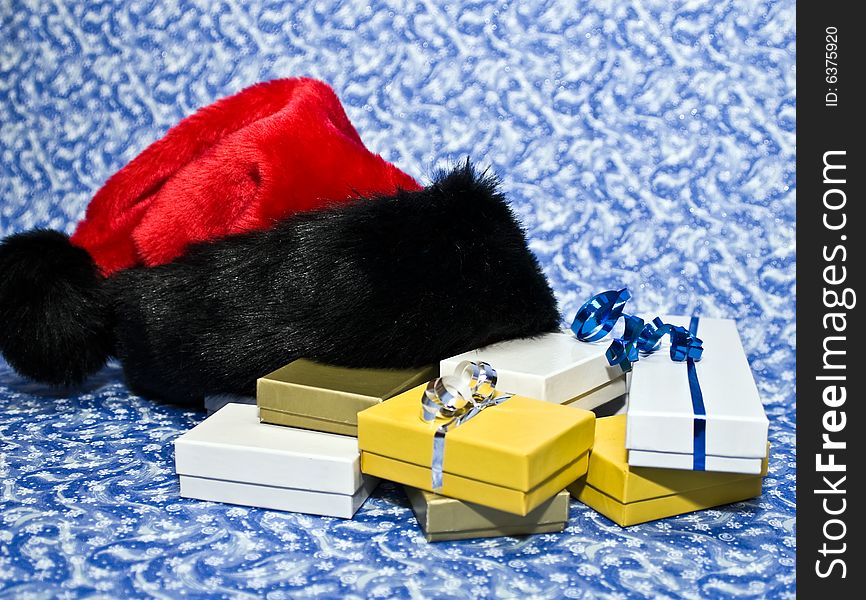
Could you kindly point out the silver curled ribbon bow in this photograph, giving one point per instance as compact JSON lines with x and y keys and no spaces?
{"x":451,"y":400}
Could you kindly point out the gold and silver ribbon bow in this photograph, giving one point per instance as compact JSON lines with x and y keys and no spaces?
{"x":451,"y":400}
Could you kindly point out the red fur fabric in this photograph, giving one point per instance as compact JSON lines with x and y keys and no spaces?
{"x":240,"y":164}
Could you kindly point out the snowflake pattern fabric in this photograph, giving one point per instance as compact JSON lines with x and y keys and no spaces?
{"x":648,"y":144}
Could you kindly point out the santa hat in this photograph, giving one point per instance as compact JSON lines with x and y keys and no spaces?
{"x":240,"y":164}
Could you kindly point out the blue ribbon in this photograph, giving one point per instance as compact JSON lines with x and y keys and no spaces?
{"x":598,"y":315}
{"x":698,"y":408}
{"x":455,"y":399}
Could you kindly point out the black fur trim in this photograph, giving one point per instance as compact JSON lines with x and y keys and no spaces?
{"x":55,"y":322}
{"x":384,"y":282}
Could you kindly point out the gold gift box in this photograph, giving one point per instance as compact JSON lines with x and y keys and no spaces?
{"x":632,"y":495}
{"x":511,"y":457}
{"x":320,"y":397}
{"x":442,"y":518}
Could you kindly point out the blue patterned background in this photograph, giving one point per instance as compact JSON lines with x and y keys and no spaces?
{"x":643,"y":143}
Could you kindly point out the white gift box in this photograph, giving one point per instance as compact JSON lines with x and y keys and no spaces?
{"x":665,"y":427}
{"x":554,"y":367}
{"x":232,"y":457}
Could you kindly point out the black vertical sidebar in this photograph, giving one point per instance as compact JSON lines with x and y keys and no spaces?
{"x":831,"y":357}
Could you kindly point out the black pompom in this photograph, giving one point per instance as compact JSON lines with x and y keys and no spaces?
{"x":384,"y":282}
{"x":55,"y":321}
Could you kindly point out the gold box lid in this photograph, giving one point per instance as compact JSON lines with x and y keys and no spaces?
{"x":333,"y":394}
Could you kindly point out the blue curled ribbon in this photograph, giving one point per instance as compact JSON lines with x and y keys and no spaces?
{"x":456,"y":399}
{"x":598,"y":315}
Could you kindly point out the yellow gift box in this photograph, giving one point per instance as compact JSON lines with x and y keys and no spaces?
{"x":512,"y":456}
{"x":632,"y":495}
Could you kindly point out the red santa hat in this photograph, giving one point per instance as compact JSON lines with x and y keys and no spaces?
{"x":240,"y":164}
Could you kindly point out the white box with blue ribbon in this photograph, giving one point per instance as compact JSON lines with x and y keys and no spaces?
{"x":701,"y":415}
{"x":553,"y":367}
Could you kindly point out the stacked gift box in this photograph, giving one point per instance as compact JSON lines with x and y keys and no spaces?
{"x":491,"y":442}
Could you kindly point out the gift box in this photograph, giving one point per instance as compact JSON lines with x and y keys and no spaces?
{"x":512,"y":456}
{"x":630,"y":495}
{"x":697,"y":415}
{"x":442,"y":518}
{"x":554,"y":367}
{"x":321,"y":397}
{"x":231,"y":457}
{"x":609,"y":393}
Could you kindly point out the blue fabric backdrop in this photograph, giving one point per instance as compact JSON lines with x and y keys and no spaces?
{"x":648,"y":144}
